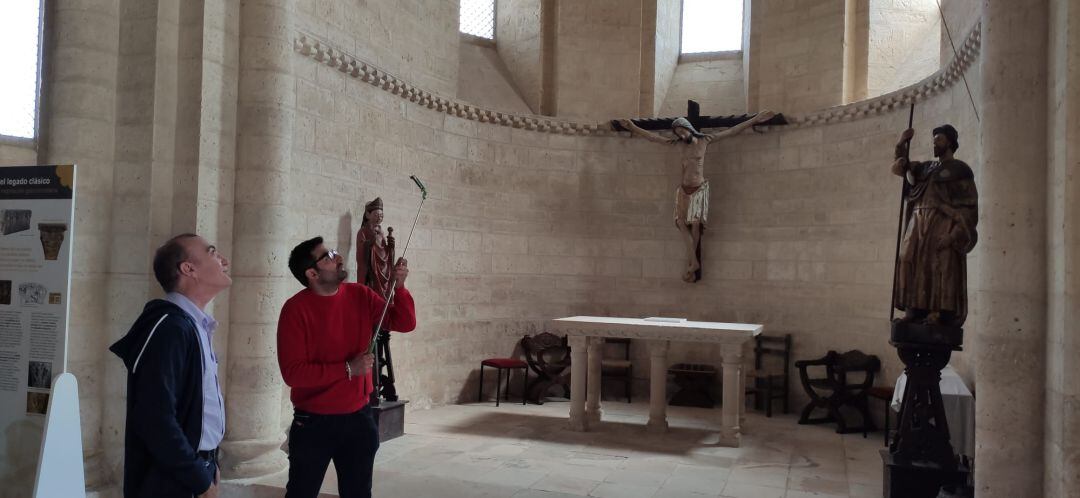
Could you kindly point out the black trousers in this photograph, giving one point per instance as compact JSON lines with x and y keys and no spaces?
{"x":350,"y":440}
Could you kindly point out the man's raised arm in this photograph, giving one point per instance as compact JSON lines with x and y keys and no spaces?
{"x":648,"y":135}
{"x":759,"y":118}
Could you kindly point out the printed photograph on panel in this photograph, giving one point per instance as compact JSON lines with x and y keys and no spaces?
{"x":40,"y":375}
{"x":32,"y":294}
{"x":14,"y":220}
{"x":37,"y":403}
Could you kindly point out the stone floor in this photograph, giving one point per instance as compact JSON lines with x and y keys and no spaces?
{"x":527,"y":452}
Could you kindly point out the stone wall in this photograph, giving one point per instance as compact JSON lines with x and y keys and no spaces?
{"x":18,"y":153}
{"x":599,"y":59}
{"x":716,"y":84}
{"x":484,"y":79}
{"x":796,"y":55}
{"x":413,"y":39}
{"x":668,"y":44}
{"x":905,"y":38}
{"x":518,"y":28}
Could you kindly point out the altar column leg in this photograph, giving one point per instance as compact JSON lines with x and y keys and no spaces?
{"x":578,"y":357}
{"x":733,"y":394}
{"x":658,"y":386}
{"x":592,"y":398}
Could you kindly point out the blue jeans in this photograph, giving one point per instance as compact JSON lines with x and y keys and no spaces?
{"x":350,"y":440}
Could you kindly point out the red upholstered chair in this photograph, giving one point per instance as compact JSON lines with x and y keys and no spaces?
{"x":501,"y":364}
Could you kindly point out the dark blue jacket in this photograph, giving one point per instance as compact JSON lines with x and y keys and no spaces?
{"x":164,"y":405}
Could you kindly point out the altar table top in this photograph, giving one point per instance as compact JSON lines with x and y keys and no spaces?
{"x":640,"y":328}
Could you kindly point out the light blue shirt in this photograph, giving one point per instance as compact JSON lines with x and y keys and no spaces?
{"x":213,"y":419}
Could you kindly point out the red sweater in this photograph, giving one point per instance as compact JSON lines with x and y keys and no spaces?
{"x":318,"y":334}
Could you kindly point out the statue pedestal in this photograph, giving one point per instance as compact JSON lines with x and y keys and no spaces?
{"x":390,"y":415}
{"x":923,"y":479}
{"x":920,"y":461}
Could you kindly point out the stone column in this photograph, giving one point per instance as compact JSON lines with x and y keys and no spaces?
{"x":592,"y":398}
{"x":81,"y":44}
{"x":578,"y":359}
{"x":1008,"y":333}
{"x":658,"y":386}
{"x":733,"y":394}
{"x":261,"y":279}
{"x":1062,"y":451}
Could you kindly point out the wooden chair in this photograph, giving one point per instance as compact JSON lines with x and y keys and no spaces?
{"x":770,"y":379}
{"x":833,"y":391}
{"x":548,"y":355}
{"x":500,"y":364}
{"x":619,"y":369}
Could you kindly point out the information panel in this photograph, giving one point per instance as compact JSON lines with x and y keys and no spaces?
{"x":36,"y":215}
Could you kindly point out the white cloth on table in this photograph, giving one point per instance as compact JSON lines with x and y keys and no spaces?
{"x":959,"y":407}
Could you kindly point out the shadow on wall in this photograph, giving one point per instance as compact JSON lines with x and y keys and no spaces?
{"x":345,"y":236}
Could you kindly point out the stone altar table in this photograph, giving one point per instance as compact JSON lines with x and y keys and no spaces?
{"x":586,"y":334}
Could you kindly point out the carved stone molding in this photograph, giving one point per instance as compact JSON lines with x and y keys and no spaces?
{"x":314,"y":48}
{"x":311,"y":46}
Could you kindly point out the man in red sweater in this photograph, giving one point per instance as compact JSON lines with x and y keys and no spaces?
{"x":323,"y":336}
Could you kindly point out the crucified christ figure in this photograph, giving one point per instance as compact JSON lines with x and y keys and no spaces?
{"x":692,"y":196}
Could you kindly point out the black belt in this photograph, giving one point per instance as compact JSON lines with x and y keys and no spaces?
{"x":208,"y":455}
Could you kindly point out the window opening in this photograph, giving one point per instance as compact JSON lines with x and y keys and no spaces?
{"x":478,"y":18}
{"x":20,"y":35}
{"x":712,"y":25}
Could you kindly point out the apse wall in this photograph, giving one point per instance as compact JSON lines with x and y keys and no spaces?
{"x":17,"y":153}
{"x":523,"y":226}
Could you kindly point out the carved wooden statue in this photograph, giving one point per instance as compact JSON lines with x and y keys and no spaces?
{"x":942,"y":211}
{"x":692,"y":195}
{"x":374,"y":268}
{"x":930,"y":286}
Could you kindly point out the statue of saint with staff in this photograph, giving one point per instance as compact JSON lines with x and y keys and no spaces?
{"x":374,"y":254}
{"x":942,"y":211}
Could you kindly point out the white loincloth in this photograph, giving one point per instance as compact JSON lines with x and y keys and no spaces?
{"x":692,"y":208}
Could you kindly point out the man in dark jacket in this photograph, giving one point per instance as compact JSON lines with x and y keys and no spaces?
{"x":175,"y":413}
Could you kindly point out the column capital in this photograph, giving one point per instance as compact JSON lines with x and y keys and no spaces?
{"x":731,"y":353}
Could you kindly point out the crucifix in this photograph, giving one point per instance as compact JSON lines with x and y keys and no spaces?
{"x":692,"y":195}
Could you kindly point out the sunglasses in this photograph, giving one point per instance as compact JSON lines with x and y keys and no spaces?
{"x":330,"y":255}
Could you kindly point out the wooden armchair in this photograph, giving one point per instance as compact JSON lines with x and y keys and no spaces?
{"x":835,"y":390}
{"x":548,"y":355}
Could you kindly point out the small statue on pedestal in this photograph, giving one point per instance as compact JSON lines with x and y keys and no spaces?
{"x":374,"y":257}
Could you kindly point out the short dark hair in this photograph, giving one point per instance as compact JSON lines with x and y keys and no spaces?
{"x":167,"y":261}
{"x":950,"y":133}
{"x":300,"y":259}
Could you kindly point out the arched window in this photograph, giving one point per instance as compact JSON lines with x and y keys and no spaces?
{"x":712,"y":25}
{"x":20,"y":35}
{"x":477,"y":18}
